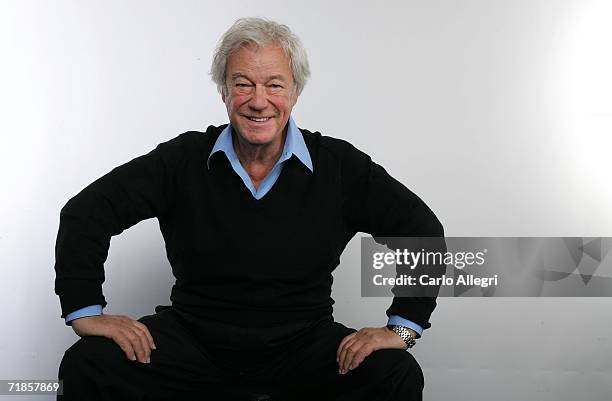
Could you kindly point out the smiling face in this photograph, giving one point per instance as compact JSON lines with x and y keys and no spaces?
{"x":260,"y":94}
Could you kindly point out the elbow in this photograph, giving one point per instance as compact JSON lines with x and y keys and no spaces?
{"x":431,"y":226}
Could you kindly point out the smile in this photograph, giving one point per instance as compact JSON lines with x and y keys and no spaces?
{"x":258,"y":119}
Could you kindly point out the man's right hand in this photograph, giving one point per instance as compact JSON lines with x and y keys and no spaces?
{"x":132,"y":336}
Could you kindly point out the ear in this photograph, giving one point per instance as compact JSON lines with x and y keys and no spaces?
{"x":223,"y":95}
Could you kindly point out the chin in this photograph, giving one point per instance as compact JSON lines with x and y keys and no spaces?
{"x":258,"y":138}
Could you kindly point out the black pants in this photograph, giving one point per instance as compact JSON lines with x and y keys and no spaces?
{"x":194,"y":361}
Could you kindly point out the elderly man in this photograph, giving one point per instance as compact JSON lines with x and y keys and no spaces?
{"x":255,"y":215}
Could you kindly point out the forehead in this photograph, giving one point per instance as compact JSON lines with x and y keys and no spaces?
{"x":259,"y":62}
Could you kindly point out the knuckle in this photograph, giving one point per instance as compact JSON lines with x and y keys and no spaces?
{"x":144,"y":338}
{"x":137,"y":331}
{"x":123,"y":343}
{"x":124,"y":347}
{"x":145,"y":335}
{"x":120,"y":331}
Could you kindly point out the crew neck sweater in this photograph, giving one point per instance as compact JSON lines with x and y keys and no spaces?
{"x":230,"y":253}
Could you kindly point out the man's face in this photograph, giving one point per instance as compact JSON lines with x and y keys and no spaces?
{"x":260,"y":93}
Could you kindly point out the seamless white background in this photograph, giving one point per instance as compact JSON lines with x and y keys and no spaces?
{"x":497,"y":113}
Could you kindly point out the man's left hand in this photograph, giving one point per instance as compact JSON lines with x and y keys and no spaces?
{"x":355,"y":347}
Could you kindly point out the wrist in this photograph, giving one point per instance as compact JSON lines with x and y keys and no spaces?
{"x":406,"y":334}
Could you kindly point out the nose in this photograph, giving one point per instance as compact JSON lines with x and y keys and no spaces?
{"x":258,"y":100}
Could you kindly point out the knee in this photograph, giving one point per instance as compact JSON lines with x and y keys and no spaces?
{"x":88,"y":366}
{"x":410,"y":369}
{"x":397,"y":366}
{"x":86,"y":354}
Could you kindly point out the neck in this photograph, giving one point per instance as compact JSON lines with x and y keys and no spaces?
{"x":258,"y":160}
{"x":267,"y":153}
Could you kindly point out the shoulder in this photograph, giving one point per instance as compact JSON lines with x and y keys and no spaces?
{"x":334,"y":149}
{"x":190,"y":143}
{"x":195,"y":138}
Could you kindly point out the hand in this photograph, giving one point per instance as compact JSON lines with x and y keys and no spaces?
{"x":355,"y":347}
{"x":132,"y":336}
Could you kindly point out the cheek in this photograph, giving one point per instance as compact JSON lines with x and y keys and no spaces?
{"x":235,"y":102}
{"x":280,"y":102}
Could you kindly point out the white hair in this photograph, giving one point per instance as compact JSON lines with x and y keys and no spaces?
{"x":260,"y":32}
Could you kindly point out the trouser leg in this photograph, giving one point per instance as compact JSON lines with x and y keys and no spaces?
{"x":308,"y":370}
{"x":388,"y":374}
{"x":95,"y":368}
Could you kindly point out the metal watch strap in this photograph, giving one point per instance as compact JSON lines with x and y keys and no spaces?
{"x":404,"y":333}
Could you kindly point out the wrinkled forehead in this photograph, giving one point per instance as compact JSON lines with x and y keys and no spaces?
{"x":270,"y":58}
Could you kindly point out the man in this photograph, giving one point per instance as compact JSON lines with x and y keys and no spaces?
{"x":255,"y":215}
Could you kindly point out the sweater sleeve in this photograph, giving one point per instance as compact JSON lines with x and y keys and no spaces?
{"x":381,"y":206}
{"x":137,"y":190}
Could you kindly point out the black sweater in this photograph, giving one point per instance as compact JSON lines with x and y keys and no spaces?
{"x":266,"y":261}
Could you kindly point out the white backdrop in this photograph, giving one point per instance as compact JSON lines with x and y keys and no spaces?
{"x":497,"y":113}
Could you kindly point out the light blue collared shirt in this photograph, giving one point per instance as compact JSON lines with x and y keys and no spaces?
{"x":294,"y":145}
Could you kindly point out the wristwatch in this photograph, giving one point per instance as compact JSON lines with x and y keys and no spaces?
{"x":404,"y":333}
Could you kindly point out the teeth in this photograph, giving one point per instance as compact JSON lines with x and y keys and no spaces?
{"x":259,"y":119}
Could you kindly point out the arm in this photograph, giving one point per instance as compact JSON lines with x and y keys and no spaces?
{"x":135,"y":191}
{"x":139,"y":189}
{"x":378,"y":204}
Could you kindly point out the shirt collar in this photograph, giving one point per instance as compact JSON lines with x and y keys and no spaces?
{"x":294,"y":145}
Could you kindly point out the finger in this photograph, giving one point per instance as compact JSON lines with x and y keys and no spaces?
{"x":361,"y":355}
{"x":144,"y":341}
{"x":359,"y":350}
{"x":342,"y":343}
{"x":124,"y":343}
{"x":133,"y":342}
{"x":348,"y":337}
{"x":147,"y":333}
{"x":136,"y":343}
{"x":347,"y":354}
{"x":343,"y":349}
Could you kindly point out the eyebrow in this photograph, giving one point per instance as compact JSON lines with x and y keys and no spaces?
{"x":270,"y":78}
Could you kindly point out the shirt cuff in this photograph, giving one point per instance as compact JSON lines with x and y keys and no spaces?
{"x":92,"y":310}
{"x":400,"y":321}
